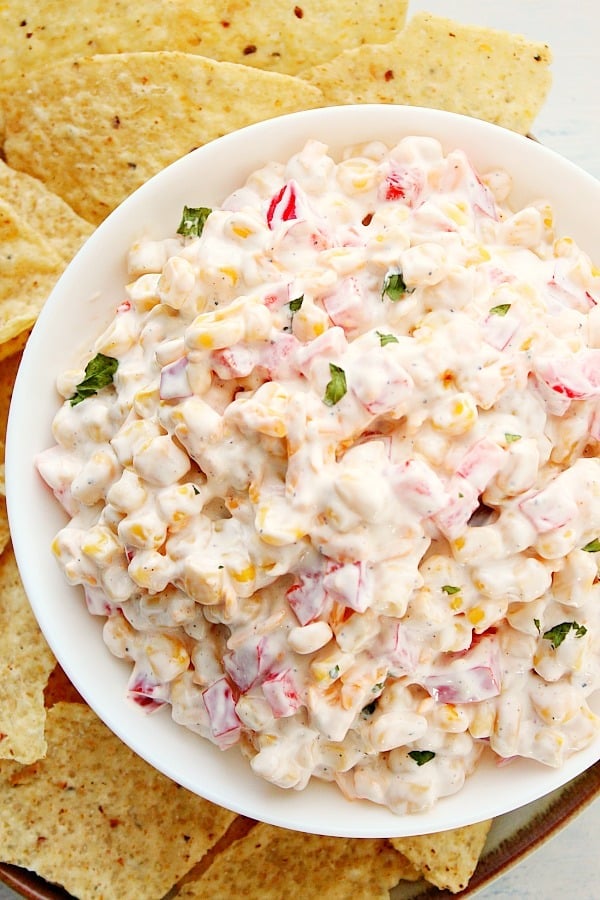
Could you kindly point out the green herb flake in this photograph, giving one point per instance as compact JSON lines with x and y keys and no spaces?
{"x":336,"y":388}
{"x":387,"y":338}
{"x":193,"y":220}
{"x":99,"y":373}
{"x":536,"y":622}
{"x":422,"y":756}
{"x":395,"y":287}
{"x":333,"y":673}
{"x":378,"y":687}
{"x":296,"y":304}
{"x":511,"y":438}
{"x":500,"y":310}
{"x":593,"y":546}
{"x":450,"y":589}
{"x":557,"y":634}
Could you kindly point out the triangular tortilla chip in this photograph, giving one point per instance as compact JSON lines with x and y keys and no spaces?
{"x":95,"y":129}
{"x":29,"y":268}
{"x":447,"y":859}
{"x":270,"y":863}
{"x":434,"y":62}
{"x":282,"y":37}
{"x":8,"y":371}
{"x":25,"y":664}
{"x":45,"y":212}
{"x":95,"y":818}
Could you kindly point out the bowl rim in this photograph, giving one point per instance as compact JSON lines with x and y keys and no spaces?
{"x":320,"y":808}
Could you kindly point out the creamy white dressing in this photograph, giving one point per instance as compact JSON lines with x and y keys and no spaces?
{"x":334,"y":504}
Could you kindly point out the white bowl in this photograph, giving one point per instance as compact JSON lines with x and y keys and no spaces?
{"x":80,"y":307}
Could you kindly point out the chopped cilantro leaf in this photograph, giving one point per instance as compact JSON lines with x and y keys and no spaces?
{"x":333,"y":673}
{"x":500,"y":310}
{"x":557,"y":634}
{"x":395,"y":287}
{"x":296,"y":303}
{"x":536,"y":622}
{"x":193,"y":219}
{"x":422,"y":756}
{"x":378,"y":686}
{"x":99,"y":373}
{"x":387,"y":339}
{"x":336,"y":388}
{"x":593,"y":546}
{"x":450,"y":589}
{"x":511,"y":438}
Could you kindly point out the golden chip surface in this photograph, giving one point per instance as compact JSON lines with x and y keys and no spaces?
{"x":435,"y":62}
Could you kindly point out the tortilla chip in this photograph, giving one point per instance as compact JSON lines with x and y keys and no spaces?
{"x":282,"y":37}
{"x":98,"y":820}
{"x":14,"y":345}
{"x":29,"y":268}
{"x":8,"y":371}
{"x":59,"y":689}
{"x":43,"y":211}
{"x":447,"y":859}
{"x":39,"y":233}
{"x":95,"y":129}
{"x":270,"y":863}
{"x":435,"y":62}
{"x":4,"y":530}
{"x":25,"y":663}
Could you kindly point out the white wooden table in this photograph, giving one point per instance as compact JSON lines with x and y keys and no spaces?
{"x":568,"y":865}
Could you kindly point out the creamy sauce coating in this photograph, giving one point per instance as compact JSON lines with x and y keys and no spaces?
{"x":340,"y":503}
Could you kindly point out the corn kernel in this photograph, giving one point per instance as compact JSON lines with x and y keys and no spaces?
{"x":230,"y":273}
{"x":331,"y":665}
{"x":456,"y":212}
{"x":205,"y":341}
{"x":563,"y":246}
{"x":246,"y":574}
{"x":145,"y":401}
{"x":479,"y":254}
{"x":476,"y":615}
{"x":101,"y":546}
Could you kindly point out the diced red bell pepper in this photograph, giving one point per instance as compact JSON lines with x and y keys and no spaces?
{"x":281,"y":693}
{"x":220,"y":706}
